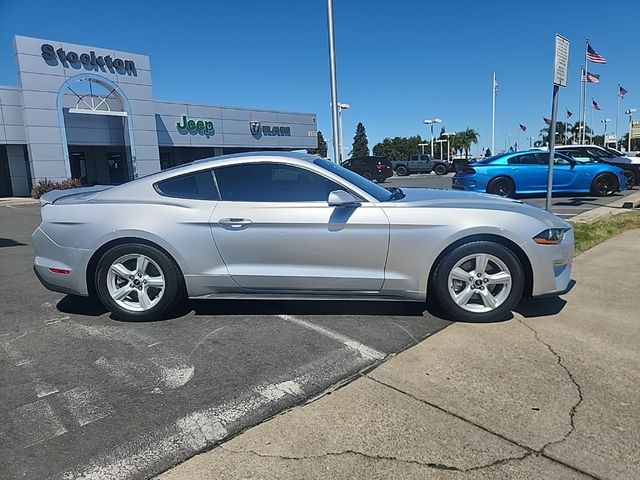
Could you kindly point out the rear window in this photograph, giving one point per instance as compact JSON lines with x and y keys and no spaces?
{"x":488,"y":160}
{"x":197,"y":186}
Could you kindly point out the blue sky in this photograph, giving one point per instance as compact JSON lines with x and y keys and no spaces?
{"x":398,"y":62}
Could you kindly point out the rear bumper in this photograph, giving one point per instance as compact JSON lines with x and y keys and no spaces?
{"x":51,"y":255}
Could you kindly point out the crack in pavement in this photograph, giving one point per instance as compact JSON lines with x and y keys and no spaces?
{"x":528,"y":450}
{"x":437,"y":466}
{"x":574,"y":407}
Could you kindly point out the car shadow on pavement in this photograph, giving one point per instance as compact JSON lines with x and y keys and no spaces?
{"x":530,"y":307}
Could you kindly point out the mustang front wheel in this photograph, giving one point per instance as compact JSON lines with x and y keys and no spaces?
{"x":479,"y":282}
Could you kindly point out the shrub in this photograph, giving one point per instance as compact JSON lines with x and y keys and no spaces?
{"x":45,"y":185}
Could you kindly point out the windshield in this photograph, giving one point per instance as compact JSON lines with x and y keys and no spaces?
{"x":376,"y":191}
{"x":615,"y":152}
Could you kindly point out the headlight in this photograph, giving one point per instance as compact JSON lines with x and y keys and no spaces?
{"x":550,"y":236}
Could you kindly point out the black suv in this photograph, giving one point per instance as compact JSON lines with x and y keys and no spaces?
{"x":630,"y":166}
{"x":373,"y":168}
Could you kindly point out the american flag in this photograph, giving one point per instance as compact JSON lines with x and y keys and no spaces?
{"x":590,"y":77}
{"x":546,"y":120}
{"x":523,"y":127}
{"x":569,"y":114}
{"x":621,"y":91}
{"x":593,"y":57}
{"x":595,"y":105}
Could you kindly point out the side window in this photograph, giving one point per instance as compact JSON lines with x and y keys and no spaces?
{"x":413,"y":158}
{"x":560,"y":160}
{"x":526,"y":159}
{"x":197,"y":186}
{"x":580,"y":154}
{"x":272,"y":182}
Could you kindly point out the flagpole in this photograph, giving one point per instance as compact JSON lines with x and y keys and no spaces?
{"x":617,"y":115}
{"x":592,"y":109}
{"x":493,"y":115}
{"x":584,"y":105}
{"x":579,"y":136}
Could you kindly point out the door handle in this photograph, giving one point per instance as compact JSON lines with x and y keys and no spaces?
{"x":234,"y":223}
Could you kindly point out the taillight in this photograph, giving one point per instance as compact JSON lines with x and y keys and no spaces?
{"x":382,"y":166}
{"x":468,"y":171}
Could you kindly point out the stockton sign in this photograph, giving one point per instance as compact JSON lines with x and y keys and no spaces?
{"x":196,"y":126}
{"x":49,"y":53}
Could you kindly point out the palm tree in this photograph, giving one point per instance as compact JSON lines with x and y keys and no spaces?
{"x":561,"y":132}
{"x":468,"y":137}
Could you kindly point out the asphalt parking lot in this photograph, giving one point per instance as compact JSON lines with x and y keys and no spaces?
{"x":86,"y":396}
{"x":565,"y":206}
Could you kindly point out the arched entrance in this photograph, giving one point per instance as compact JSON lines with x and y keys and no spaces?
{"x":95,"y":122}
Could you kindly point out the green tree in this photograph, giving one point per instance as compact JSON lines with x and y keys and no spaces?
{"x":360,"y":147}
{"x":487,"y":153}
{"x":322,"y":147}
{"x":398,"y":148}
{"x":462,"y":141}
{"x":562,"y":129}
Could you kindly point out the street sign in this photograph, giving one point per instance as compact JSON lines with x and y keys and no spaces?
{"x":562,"y":61}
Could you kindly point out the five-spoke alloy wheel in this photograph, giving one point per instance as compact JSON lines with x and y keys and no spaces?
{"x":479,"y":281}
{"x":137,"y":282}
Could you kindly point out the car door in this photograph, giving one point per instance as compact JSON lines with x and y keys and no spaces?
{"x":529,"y":172}
{"x":566,"y":174}
{"x":275,"y":231}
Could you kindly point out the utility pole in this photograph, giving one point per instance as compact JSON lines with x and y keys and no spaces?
{"x":494,"y":88}
{"x":334,"y":84}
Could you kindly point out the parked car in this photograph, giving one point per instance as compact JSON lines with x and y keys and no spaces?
{"x":421,"y":163}
{"x":525,"y":172}
{"x":286,"y":225}
{"x":371,"y":168}
{"x":630,"y":165}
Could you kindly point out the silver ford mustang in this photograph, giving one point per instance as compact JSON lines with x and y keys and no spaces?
{"x":266,"y":225}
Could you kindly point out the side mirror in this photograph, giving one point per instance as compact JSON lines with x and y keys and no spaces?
{"x":572,"y":163}
{"x":340,"y":198}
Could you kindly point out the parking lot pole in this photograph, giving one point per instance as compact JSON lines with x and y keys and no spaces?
{"x":560,"y":68}
{"x":334,"y":84}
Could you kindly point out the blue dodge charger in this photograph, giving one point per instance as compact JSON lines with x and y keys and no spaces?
{"x":525,"y":172}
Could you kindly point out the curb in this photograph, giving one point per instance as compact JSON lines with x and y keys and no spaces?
{"x":17,"y":201}
{"x":614,"y":208}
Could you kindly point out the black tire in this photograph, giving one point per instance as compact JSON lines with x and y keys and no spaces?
{"x":440,"y":169}
{"x":173,"y":282}
{"x":402,"y":171}
{"x":604,"y":185}
{"x":367,"y":175}
{"x":503,"y":186}
{"x":440,"y":282}
{"x":631,"y":178}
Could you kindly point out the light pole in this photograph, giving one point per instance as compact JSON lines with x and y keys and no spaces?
{"x":530,"y":142}
{"x":333,"y":81}
{"x":341,"y":106}
{"x":441,"y":141}
{"x":604,"y":138}
{"x":430,"y":122}
{"x":448,"y":134}
{"x":630,"y":112}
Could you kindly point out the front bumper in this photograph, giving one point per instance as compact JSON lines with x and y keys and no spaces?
{"x":51,"y":255}
{"x":551,"y":265}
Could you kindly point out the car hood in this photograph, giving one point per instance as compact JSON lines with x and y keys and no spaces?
{"x":434,"y":198}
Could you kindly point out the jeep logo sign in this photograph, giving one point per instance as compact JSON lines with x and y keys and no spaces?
{"x":257,"y":130}
{"x":50,"y":54}
{"x":198,"y":126}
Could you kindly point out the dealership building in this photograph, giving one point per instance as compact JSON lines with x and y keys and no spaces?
{"x":89,"y":113}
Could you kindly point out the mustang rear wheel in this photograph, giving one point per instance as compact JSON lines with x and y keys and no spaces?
{"x":604,"y":185}
{"x":137,"y":282}
{"x":479,"y":282}
{"x":502,"y":186}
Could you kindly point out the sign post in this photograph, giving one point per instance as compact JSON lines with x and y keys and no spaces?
{"x":559,"y":80}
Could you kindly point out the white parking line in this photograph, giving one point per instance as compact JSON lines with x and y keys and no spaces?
{"x":360,"y":348}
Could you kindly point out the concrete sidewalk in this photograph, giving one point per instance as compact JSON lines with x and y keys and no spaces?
{"x":553,"y":394}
